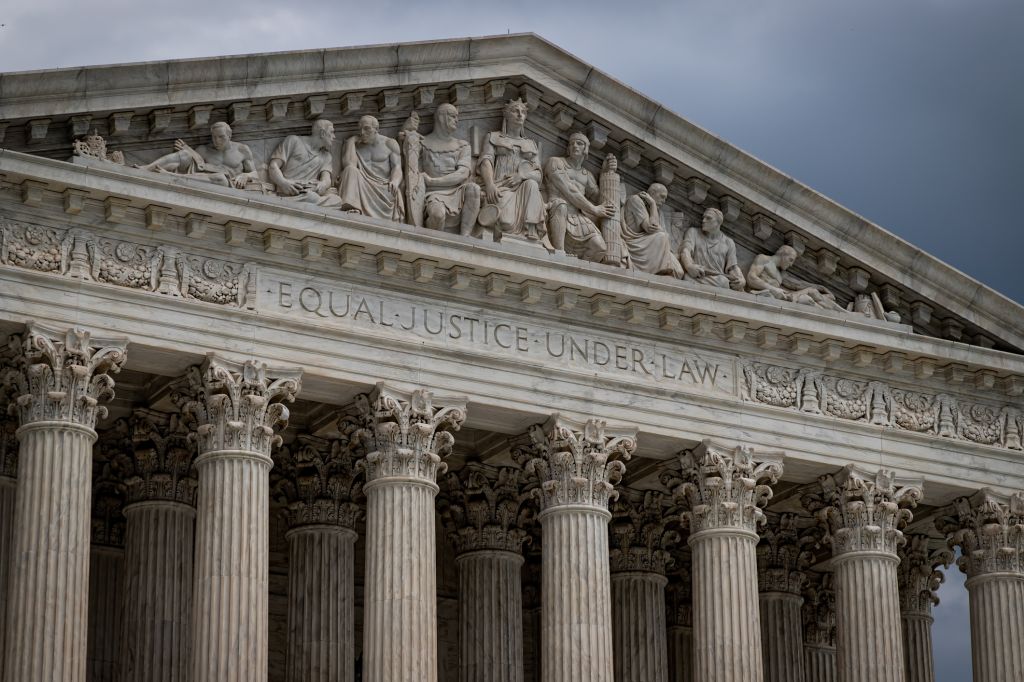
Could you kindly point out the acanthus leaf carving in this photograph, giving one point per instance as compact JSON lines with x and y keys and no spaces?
{"x":406,"y":434}
{"x":486,"y":509}
{"x":640,"y":534}
{"x":163,"y":459}
{"x":576,"y":463}
{"x":988,"y":527}
{"x":918,"y":575}
{"x":819,"y":610}
{"x":316,"y":482}
{"x":784,"y":554}
{"x":679,"y":596}
{"x":111,"y":462}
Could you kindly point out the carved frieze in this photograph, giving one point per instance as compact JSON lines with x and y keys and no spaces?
{"x":879,"y":404}
{"x":988,"y":527}
{"x":486,"y":510}
{"x":316,"y":481}
{"x":80,"y":254}
{"x":640,"y":534}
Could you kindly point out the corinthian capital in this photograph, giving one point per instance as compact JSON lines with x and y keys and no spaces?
{"x":63,"y":375}
{"x":862,"y":511}
{"x":163,"y":455}
{"x":918,"y":577}
{"x":8,"y":420}
{"x":485,"y":508}
{"x":784,"y":553}
{"x":576,"y":463}
{"x":407,"y":434}
{"x":111,"y":461}
{"x":317,"y":482}
{"x":679,"y":596}
{"x":989,"y":529}
{"x":640,"y":537}
{"x":819,"y":610}
{"x":721,"y":488}
{"x":237,"y":405}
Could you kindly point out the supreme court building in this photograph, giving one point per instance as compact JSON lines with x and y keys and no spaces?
{"x":462,"y":361}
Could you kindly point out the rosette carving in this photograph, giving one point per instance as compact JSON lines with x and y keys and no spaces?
{"x":988,"y":527}
{"x":316,"y":481}
{"x":164,"y":454}
{"x":917,"y":574}
{"x":640,"y":536}
{"x":863,"y":512}
{"x":237,"y":405}
{"x":679,"y":597}
{"x":406,"y":434}
{"x":819,"y":610}
{"x":720,"y":488}
{"x":784,"y":553}
{"x":575,"y":463}
{"x":64,"y":375}
{"x":485,"y":508}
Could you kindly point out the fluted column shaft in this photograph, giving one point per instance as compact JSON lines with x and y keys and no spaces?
{"x":997,"y":625}
{"x":7,"y":494}
{"x":321,"y":604}
{"x":576,"y":613}
{"x":106,"y":593}
{"x":917,"y":647}
{"x":400,"y":600}
{"x":159,"y":545}
{"x":868,"y":634}
{"x":531,"y":645}
{"x":782,"y":637}
{"x":490,"y":616}
{"x":229,"y":638}
{"x":47,"y":621}
{"x":680,"y":653}
{"x":726,"y":620}
{"x":639,"y":630}
{"x":820,"y":664}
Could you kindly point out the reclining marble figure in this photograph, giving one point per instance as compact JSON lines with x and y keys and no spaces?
{"x":222,"y":162}
{"x":572,"y":214}
{"x":371,"y":174}
{"x":650,"y":249}
{"x":300,"y":167}
{"x":767,"y":276}
{"x":708,"y":255}
{"x":510,"y":170}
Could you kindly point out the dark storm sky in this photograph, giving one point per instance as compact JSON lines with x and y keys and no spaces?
{"x":910,"y":113}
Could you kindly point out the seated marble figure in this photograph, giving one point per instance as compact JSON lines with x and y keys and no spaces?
{"x":572,"y":213}
{"x":301,"y":167}
{"x":451,"y":198}
{"x":511,"y":174}
{"x":708,"y":255}
{"x":767,"y":276}
{"x":650,"y":249}
{"x":222,"y":162}
{"x":371,"y":174}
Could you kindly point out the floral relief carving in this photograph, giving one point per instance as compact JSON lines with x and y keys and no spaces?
{"x":988,"y":527}
{"x":918,"y":575}
{"x":784,"y":554}
{"x":486,"y":509}
{"x":879,"y":404}
{"x":316,"y":481}
{"x":163,"y":459}
{"x":640,"y":536}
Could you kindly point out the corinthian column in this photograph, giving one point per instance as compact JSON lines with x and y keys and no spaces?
{"x":782,"y":558}
{"x":989,"y":529}
{"x":236,"y":407}
{"x":161,"y":513}
{"x":722,"y":492}
{"x":8,"y":483}
{"x":577,"y":465}
{"x":405,"y":435}
{"x":863,"y":516}
{"x":483,"y":511}
{"x":819,"y":613}
{"x":679,"y":616}
{"x":316,"y":483}
{"x":639,"y":558}
{"x":62,"y":378}
{"x":918,"y":580}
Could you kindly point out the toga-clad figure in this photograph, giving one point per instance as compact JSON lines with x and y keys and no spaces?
{"x":510,"y":169}
{"x":767,"y":276}
{"x":222,"y":162}
{"x":371,"y":173}
{"x":446,"y":165}
{"x":650,"y":249}
{"x":300,"y":167}
{"x":709,"y":256}
{"x":572,"y":214}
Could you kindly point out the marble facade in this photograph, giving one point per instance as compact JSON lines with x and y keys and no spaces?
{"x":566,"y":390}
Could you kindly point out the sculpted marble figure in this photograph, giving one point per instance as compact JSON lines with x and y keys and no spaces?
{"x":650,"y":249}
{"x":572,"y":215}
{"x":767,"y":276}
{"x":451,"y":198}
{"x":509,"y":167}
{"x":371,"y":173}
{"x":708,"y":255}
{"x":222,"y":162}
{"x":300,"y":167}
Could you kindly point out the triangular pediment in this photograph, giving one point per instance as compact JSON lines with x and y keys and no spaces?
{"x":141,"y":109}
